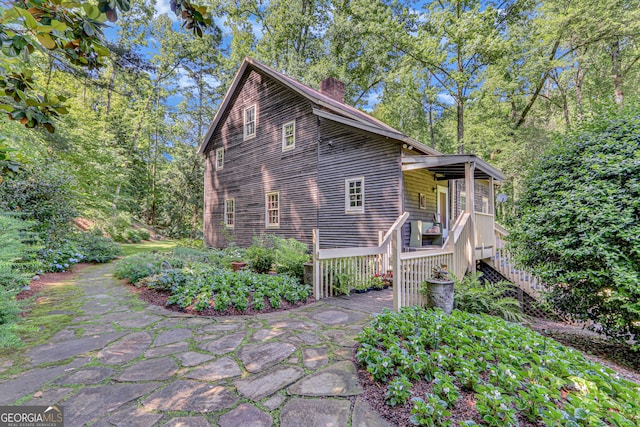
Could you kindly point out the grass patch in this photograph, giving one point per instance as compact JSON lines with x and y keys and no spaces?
{"x":469,"y":369}
{"x":153,"y":245}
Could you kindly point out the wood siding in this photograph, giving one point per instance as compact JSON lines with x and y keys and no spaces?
{"x":481,"y":188}
{"x":258,"y":165}
{"x":415,"y":182}
{"x":347,"y":153}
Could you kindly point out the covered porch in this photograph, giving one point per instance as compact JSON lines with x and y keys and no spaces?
{"x":462,"y":183}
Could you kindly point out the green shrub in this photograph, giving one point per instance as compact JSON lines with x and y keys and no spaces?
{"x":513,"y":368}
{"x":143,"y":233}
{"x":473,"y":295}
{"x":132,"y":236}
{"x":290,"y":256}
{"x":136,"y":267}
{"x":578,"y":228}
{"x":10,"y":309}
{"x":43,"y":195}
{"x":191,"y":243}
{"x":259,"y":258}
{"x":17,"y":251}
{"x":95,"y":247}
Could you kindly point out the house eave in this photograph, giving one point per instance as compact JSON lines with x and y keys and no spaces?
{"x":451,"y":166}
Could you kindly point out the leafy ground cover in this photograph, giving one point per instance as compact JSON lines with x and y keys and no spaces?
{"x":425,"y":368}
{"x":200,"y":281}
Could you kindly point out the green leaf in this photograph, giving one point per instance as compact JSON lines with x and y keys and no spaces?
{"x":58,"y":26}
{"x":91,"y":11}
{"x":46,"y":41}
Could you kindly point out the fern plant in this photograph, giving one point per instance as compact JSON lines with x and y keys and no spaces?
{"x":474,"y":295}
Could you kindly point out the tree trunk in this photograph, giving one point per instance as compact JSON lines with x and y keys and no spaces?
{"x":579,"y":81}
{"x":617,"y":73}
{"x":431,"y":133}
{"x":110,"y":87}
{"x":460,"y":117}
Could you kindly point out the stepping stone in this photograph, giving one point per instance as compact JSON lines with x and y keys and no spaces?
{"x":247,"y":415}
{"x":167,"y":349}
{"x":64,"y":335}
{"x":258,"y":357}
{"x":215,"y":371}
{"x":150,"y":370}
{"x":342,"y":338}
{"x":63,"y":350}
{"x":192,"y":358}
{"x":91,"y":375}
{"x":263,"y":385}
{"x":336,"y":317}
{"x":191,"y":396}
{"x":139,"y":322}
{"x":49,"y":397}
{"x":291,"y":325}
{"x":187,"y":422}
{"x":195,"y":321}
{"x":93,"y":329}
{"x":274,"y":402}
{"x":91,"y":403}
{"x":31,"y":381}
{"x":168,"y":323}
{"x":313,"y":358}
{"x":364,"y":416}
{"x":223,"y":345}
{"x":315,"y":412}
{"x":307,"y":338}
{"x":126,"y":349}
{"x":171,"y":336}
{"x":266,"y":334}
{"x":217,"y":328}
{"x":339,"y":379}
{"x":134,"y":417}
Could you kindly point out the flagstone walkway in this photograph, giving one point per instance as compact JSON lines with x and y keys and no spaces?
{"x":121,"y":363}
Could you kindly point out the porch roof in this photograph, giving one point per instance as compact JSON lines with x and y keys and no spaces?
{"x":452,"y":166}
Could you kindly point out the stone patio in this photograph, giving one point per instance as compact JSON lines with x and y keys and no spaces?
{"x":121,"y":363}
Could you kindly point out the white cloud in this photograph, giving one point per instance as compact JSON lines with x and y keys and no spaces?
{"x":164,"y":7}
{"x":445,"y":98}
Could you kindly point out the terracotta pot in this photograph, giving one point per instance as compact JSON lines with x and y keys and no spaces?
{"x":238,"y":265}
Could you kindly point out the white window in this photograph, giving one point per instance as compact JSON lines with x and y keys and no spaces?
{"x":289,"y":136}
{"x":463,"y":201}
{"x":219,"y":159}
{"x":272,"y":214}
{"x":354,"y":195}
{"x":249,"y":127}
{"x":485,"y":205}
{"x":229,"y":212}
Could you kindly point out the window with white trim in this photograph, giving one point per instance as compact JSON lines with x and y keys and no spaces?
{"x":272,"y":213}
{"x":289,"y":136}
{"x":249,"y":122}
{"x":485,"y":205}
{"x":219,"y":158}
{"x":229,"y":212}
{"x":463,"y":201}
{"x":354,"y":195}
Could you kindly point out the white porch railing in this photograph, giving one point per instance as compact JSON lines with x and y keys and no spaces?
{"x":504,"y":264}
{"x":333,"y":267}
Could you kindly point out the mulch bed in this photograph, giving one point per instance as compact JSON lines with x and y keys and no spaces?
{"x":160,"y":298}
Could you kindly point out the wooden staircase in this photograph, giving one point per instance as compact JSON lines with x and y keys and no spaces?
{"x":503,"y":263}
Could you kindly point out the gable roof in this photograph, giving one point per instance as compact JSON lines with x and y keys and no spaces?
{"x":333,"y":110}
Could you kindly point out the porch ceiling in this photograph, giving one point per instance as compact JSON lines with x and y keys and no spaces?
{"x":452,"y":166}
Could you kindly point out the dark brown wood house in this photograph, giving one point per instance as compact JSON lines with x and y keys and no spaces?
{"x":283,"y":158}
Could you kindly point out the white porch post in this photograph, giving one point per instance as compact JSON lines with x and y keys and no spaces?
{"x":470,"y":208}
{"x":396,"y":247}
{"x":316,"y":264}
{"x":492,"y":211}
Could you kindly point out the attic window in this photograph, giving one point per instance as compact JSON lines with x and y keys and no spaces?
{"x":249,"y":127}
{"x":219,"y":159}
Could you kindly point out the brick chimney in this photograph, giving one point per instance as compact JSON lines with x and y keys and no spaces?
{"x":333,"y":88}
